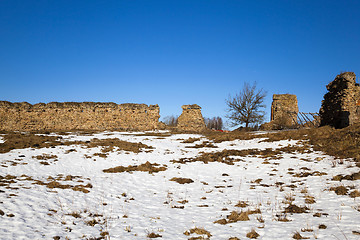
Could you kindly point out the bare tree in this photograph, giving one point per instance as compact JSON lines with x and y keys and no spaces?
{"x":171,"y":120}
{"x":246,"y":107}
{"x":214,"y":123}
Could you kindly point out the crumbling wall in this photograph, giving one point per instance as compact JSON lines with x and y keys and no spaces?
{"x":74,"y":115}
{"x":341,"y":105}
{"x":284,"y":109}
{"x":191,"y":119}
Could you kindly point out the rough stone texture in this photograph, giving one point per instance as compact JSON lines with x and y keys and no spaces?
{"x":77,"y":116}
{"x":191,"y":119}
{"x":284,"y":109}
{"x":341,"y":105}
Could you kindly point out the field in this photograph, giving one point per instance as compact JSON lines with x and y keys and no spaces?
{"x":301,"y":184}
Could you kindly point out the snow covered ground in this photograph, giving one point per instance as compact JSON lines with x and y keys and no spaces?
{"x":62,"y":192}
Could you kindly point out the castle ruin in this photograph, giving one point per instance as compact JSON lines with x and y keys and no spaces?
{"x":77,"y":116}
{"x":284,"y":109}
{"x":191,"y":119}
{"x":341,"y":105}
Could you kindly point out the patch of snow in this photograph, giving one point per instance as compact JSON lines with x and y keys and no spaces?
{"x":132,"y":205}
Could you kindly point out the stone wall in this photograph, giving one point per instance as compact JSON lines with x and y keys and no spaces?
{"x":191,"y":119}
{"x":341,"y":105}
{"x":77,"y":116}
{"x":284,"y":109}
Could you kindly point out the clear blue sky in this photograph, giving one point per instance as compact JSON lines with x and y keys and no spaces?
{"x":173,"y":53}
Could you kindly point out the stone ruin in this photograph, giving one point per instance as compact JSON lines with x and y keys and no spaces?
{"x":284,"y":111}
{"x":68,"y":116}
{"x":77,"y":116}
{"x":191,"y":119}
{"x":341,"y":105}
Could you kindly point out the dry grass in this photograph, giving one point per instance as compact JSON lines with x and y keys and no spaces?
{"x":27,"y":140}
{"x":297,"y":235}
{"x":191,"y":140}
{"x":292,"y":208}
{"x":225,"y":155}
{"x":237,"y":216}
{"x":252,"y":234}
{"x":31,"y":140}
{"x":153,"y":235}
{"x":145,"y":167}
{"x":181,"y":180}
{"x":341,"y":143}
{"x":199,"y":231}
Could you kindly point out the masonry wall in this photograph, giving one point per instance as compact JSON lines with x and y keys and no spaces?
{"x":191,"y":119}
{"x":341,"y":105}
{"x":284,"y":109}
{"x":74,"y":115}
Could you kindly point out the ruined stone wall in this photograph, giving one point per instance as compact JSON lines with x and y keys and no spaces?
{"x":191,"y":119}
{"x":73,"y":115}
{"x":284,"y":109}
{"x":341,"y":105}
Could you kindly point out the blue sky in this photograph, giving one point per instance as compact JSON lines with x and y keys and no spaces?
{"x":173,"y":53}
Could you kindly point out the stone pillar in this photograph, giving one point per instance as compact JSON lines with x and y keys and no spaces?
{"x":284,"y":109}
{"x":191,"y":119}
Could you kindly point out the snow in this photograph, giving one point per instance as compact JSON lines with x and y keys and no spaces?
{"x":130,"y":205}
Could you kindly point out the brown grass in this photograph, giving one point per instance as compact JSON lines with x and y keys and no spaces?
{"x":27,"y":140}
{"x":203,"y":145}
{"x":341,"y":143}
{"x":181,"y":180}
{"x":292,"y":208}
{"x":199,"y":231}
{"x":225,"y":155}
{"x":340,"y":190}
{"x":191,"y":140}
{"x":31,"y":140}
{"x":145,"y":167}
{"x":297,"y":235}
{"x":153,"y":235}
{"x":252,"y":234}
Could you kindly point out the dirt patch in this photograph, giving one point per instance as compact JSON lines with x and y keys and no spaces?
{"x":181,"y":180}
{"x":145,"y":167}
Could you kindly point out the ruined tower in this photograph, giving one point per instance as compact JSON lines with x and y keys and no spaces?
{"x":341,"y":105}
{"x":191,"y":119}
{"x":284,"y":109}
